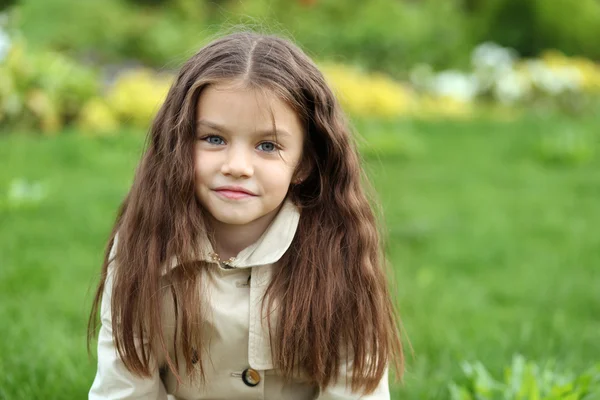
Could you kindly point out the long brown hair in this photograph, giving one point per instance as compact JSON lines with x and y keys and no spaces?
{"x":332,"y":293}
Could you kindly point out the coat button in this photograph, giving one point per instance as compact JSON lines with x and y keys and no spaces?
{"x":251,"y":377}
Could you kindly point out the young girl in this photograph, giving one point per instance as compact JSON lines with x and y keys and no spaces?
{"x":245,"y":262}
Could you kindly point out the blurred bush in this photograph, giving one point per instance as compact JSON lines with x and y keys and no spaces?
{"x":553,"y":82}
{"x":46,"y":89}
{"x":380,"y":95}
{"x":381,"y":35}
{"x":97,"y":117}
{"x":365,"y":33}
{"x":137,"y":95}
{"x":531,"y":26}
{"x":4,"y":4}
{"x":110,"y":31}
{"x":42,"y":90}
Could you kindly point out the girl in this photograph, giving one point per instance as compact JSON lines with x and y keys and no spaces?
{"x":245,"y":262}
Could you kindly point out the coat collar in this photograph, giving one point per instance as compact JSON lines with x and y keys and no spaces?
{"x":269,"y":247}
{"x":274,"y":242}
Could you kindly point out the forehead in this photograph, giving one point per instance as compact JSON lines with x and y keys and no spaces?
{"x":242,"y":109}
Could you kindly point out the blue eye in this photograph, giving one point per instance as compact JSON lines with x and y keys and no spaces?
{"x":267,"y":147}
{"x":216,"y":140}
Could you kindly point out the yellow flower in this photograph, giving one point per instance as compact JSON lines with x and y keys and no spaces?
{"x":443,"y":107}
{"x":97,"y":117}
{"x":588,"y":69}
{"x":137,"y":95}
{"x":44,"y":109}
{"x":371,"y":94}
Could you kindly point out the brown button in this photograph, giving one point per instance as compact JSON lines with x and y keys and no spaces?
{"x":251,"y":377}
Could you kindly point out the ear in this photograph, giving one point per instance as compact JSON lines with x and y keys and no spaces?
{"x":303,"y":171}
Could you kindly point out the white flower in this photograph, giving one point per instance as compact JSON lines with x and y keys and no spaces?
{"x":511,"y":87}
{"x":554,"y":80}
{"x":455,"y":84}
{"x":492,"y":57}
{"x":491,"y":62}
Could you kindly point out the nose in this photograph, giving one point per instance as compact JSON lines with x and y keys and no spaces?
{"x":238,"y":163}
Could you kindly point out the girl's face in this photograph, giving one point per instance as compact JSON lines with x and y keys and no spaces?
{"x":242,"y":171}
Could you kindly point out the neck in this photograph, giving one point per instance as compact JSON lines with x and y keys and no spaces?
{"x":230,"y":239}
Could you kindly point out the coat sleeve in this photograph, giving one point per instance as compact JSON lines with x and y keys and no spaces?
{"x":340,"y":390}
{"x":113,"y":380}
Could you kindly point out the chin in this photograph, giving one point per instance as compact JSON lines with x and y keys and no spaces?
{"x":235,"y":218}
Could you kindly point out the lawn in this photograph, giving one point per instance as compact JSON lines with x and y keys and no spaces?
{"x":495,"y":251}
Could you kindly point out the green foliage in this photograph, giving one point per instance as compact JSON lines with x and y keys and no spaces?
{"x":385,"y":35}
{"x":365,"y":32}
{"x":163,"y":41}
{"x":113,"y":30}
{"x":41,"y":89}
{"x":525,"y":380}
{"x":571,"y":26}
{"x":531,"y":26}
{"x":4,"y":4}
{"x":511,"y":23}
{"x":368,"y":33}
{"x":136,"y":96}
{"x":101,"y":26}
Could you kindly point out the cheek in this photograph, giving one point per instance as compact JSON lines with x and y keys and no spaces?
{"x":204,"y":165}
{"x":198,"y":170}
{"x":278,"y":179}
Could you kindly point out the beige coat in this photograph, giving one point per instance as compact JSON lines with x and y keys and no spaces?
{"x":238,"y":338}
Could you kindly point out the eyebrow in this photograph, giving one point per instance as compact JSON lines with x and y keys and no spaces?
{"x":220,"y":128}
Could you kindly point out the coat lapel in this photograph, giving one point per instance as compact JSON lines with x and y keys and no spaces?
{"x":262,"y":257}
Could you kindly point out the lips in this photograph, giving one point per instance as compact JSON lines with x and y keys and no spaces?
{"x":234,"y":192}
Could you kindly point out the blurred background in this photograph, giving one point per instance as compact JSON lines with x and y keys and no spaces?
{"x":478,"y":122}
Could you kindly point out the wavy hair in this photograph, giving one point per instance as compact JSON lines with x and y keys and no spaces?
{"x":332,"y":294}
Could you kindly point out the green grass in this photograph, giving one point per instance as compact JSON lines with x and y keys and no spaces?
{"x":496,"y":252}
